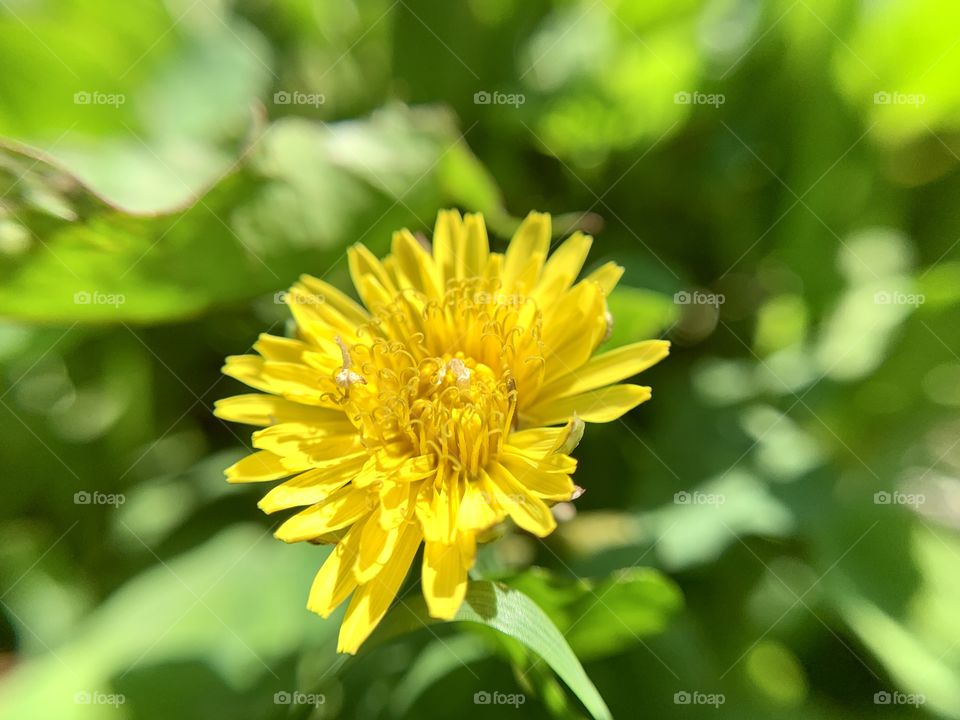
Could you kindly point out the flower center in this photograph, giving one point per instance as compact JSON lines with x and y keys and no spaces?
{"x":449,"y":389}
{"x":459,"y":411}
{"x":451,"y":408}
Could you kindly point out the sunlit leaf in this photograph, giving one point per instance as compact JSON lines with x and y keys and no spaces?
{"x":511,"y":612}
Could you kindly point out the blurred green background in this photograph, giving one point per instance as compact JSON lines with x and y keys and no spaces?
{"x":773,"y":536}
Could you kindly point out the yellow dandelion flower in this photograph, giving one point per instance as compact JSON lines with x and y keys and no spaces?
{"x":450,"y":401}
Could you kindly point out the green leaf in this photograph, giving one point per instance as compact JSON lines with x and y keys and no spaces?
{"x":616,"y":90}
{"x":147,"y":109}
{"x":433,"y":663}
{"x":694,"y":529}
{"x":468,"y":183}
{"x":901,"y":97}
{"x":913,"y":640}
{"x":305,"y":190}
{"x":217,"y":604}
{"x":602,"y":617}
{"x":513,"y":613}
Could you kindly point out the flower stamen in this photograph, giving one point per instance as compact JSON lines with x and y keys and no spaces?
{"x":346,"y":377}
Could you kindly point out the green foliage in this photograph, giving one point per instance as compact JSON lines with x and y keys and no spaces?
{"x":778,"y":525}
{"x":515,"y":615}
{"x":254,"y":232}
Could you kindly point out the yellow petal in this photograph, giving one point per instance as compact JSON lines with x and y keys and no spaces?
{"x":376,"y":548}
{"x":572,"y":329}
{"x":396,"y":501}
{"x":247,"y":369}
{"x":299,"y":382}
{"x":608,"y":368}
{"x":365,"y":267}
{"x":343,"y":507}
{"x":375,"y":294}
{"x":334,"y":301}
{"x":537,"y":479}
{"x":371,"y":600}
{"x":259,"y":467}
{"x":527,"y":511}
{"x":478,"y":510}
{"x":415,"y":468}
{"x":444,"y":579}
{"x":280,"y":349}
{"x":315,"y":322}
{"x":494,"y":267}
{"x":331,"y":538}
{"x":263,"y":410}
{"x":606,"y":276}
{"x":603,"y":405}
{"x":312,"y":486}
{"x":527,"y":252}
{"x":437,"y":508}
{"x":335,"y":581}
{"x":292,"y":380}
{"x":571,"y":437}
{"x":535,"y":441}
{"x":468,"y":548}
{"x":447,"y":243}
{"x":308,"y":444}
{"x":562,"y":268}
{"x":415,"y":265}
{"x":476,"y":246}
{"x":321,"y":317}
{"x":328,"y":360}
